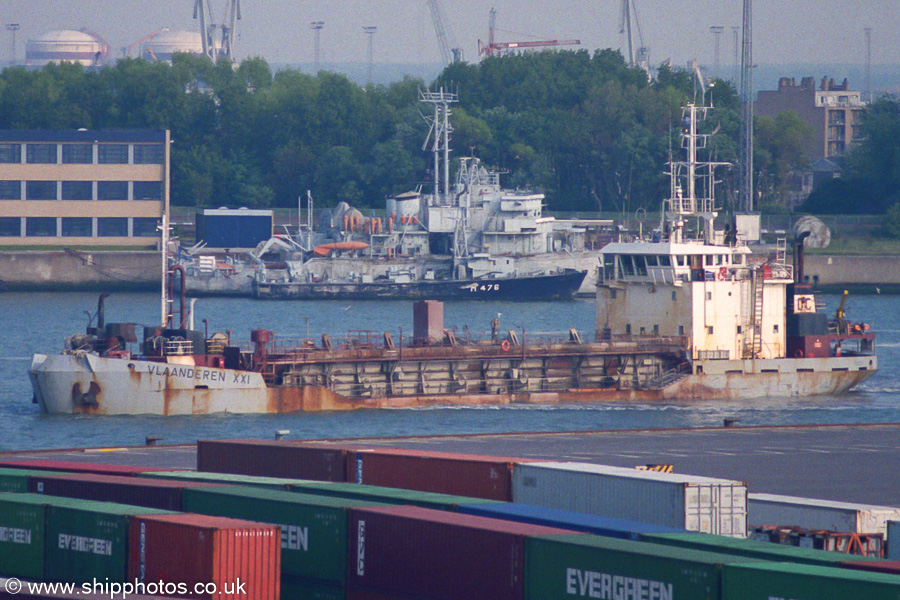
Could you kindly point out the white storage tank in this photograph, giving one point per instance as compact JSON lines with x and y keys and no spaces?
{"x":689,"y":502}
{"x":808,"y":513}
{"x":163,"y":45}
{"x":64,"y":45}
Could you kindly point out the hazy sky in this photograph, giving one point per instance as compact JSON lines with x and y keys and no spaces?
{"x":785,"y":31}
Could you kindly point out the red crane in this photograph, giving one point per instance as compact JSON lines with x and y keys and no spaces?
{"x":493,"y":47}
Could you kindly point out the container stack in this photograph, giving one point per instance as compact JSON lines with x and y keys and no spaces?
{"x":265,"y":520}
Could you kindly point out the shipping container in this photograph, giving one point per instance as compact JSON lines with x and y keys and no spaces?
{"x":313,"y":528}
{"x":297,"y":460}
{"x":768,"y":581}
{"x":565,"y":519}
{"x":294,"y":588}
{"x":892,"y":551}
{"x":388,"y":495}
{"x":487,"y":477}
{"x":87,"y":540}
{"x":418,"y":552}
{"x":589,"y":566}
{"x":826,"y":515}
{"x":681,"y":501}
{"x":273,"y":483}
{"x":875,"y":566}
{"x":752,"y":549}
{"x":22,"y":528}
{"x":136,"y":491}
{"x":230,"y":557}
{"x":72,"y":466}
{"x":16,"y":480}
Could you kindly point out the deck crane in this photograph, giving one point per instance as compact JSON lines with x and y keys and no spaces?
{"x":492,"y":47}
{"x":450,"y":53}
{"x":224,"y":47}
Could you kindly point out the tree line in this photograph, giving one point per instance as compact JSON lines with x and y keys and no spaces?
{"x":589,"y":131}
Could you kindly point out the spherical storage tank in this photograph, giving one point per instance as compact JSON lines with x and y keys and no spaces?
{"x":166,"y":43}
{"x":63,"y":45}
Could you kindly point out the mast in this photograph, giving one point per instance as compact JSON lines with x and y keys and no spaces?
{"x":683,"y":201}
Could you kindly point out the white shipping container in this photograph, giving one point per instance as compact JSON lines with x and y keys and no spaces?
{"x":689,"y":502}
{"x":844,"y":517}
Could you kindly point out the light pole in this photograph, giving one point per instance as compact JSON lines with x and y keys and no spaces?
{"x":370,"y":31}
{"x":316,"y":26}
{"x":13,"y":28}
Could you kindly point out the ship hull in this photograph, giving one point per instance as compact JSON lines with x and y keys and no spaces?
{"x":556,"y":286}
{"x":88,"y":384}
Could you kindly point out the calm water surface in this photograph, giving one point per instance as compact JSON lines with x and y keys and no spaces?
{"x":38,"y":322}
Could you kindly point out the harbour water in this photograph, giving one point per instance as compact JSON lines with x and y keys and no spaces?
{"x":39,"y":322}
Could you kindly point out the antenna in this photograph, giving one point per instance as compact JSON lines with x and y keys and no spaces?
{"x":746,"y":156}
{"x":717,"y":32}
{"x":370,"y":31}
{"x":868,"y":31}
{"x":316,"y":26}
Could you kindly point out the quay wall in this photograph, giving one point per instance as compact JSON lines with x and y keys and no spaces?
{"x":864,"y":272}
{"x":79,"y":270}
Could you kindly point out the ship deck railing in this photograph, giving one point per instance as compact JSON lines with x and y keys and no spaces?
{"x":371,"y":347}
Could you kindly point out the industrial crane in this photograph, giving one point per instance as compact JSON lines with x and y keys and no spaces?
{"x":225,"y":45}
{"x":493,"y":47}
{"x":446,"y":42}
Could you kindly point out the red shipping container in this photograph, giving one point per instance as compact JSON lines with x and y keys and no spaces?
{"x":241,"y":559}
{"x":879,"y":566}
{"x":77,"y":467}
{"x":488,"y":477}
{"x":136,"y":491}
{"x":267,"y":458}
{"x":407,"y":551}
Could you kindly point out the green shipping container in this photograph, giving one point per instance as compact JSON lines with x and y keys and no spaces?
{"x":588,"y":566}
{"x":313,"y":528}
{"x":86,"y":539}
{"x":16,"y":480}
{"x":22,"y":535}
{"x":275,"y":483}
{"x":752,"y":548}
{"x":368,"y":493}
{"x":375,"y":493}
{"x":806,"y":582}
{"x":293,"y":588}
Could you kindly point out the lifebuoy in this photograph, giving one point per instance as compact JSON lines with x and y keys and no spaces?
{"x":799,"y":353}
{"x":504,"y":345}
{"x":723,"y":273}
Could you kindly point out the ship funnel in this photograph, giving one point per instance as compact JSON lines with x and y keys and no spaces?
{"x":798,"y":256}
{"x":101,"y":321}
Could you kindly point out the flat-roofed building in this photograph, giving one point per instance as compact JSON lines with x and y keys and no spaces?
{"x":83,"y":188}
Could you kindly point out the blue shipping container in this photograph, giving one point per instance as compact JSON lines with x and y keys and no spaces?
{"x":552,"y":517}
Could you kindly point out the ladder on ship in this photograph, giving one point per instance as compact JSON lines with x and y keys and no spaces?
{"x":759,"y":281}
{"x":781,"y":251}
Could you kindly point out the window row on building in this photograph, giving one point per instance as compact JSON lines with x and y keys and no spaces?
{"x":81,"y":154}
{"x":78,"y":227}
{"x":81,"y":190}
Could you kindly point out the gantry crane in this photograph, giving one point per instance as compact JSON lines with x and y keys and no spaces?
{"x":492,"y":47}
{"x":446,"y":42}
{"x":224,"y":47}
